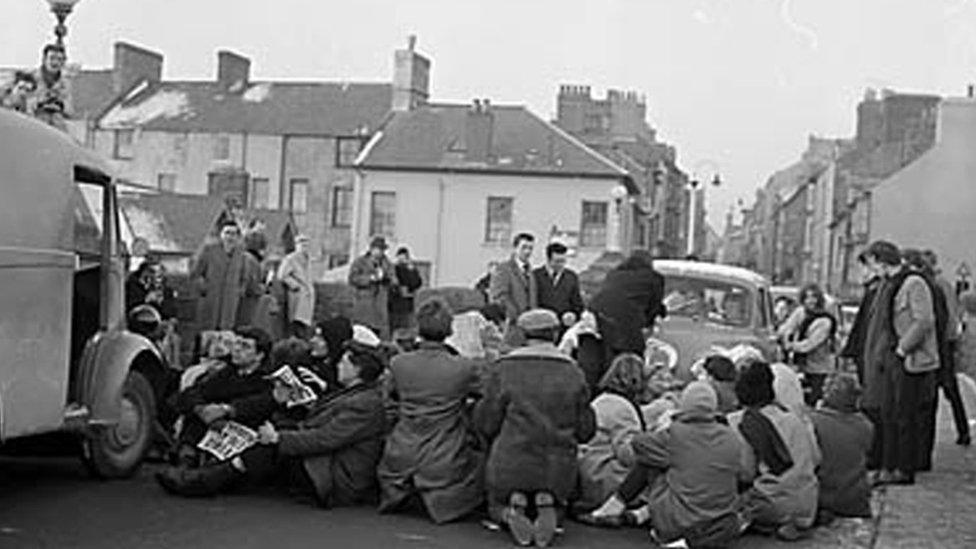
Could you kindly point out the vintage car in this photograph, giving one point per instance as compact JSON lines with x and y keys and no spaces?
{"x":67,"y":362}
{"x":711,"y":305}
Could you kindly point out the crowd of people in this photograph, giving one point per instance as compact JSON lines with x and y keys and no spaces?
{"x":539,"y":407}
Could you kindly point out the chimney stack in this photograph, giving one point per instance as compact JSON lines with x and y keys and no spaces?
{"x":132,"y":64}
{"x":233,"y":70}
{"x":411,"y":77}
{"x":478,"y":129}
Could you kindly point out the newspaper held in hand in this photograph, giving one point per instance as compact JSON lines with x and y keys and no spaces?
{"x":229,"y":441}
{"x":298,"y":392}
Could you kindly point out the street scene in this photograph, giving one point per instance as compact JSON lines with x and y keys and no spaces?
{"x":688,"y":273}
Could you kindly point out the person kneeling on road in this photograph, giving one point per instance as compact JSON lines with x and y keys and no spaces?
{"x":332,"y":454}
{"x":535,"y":411}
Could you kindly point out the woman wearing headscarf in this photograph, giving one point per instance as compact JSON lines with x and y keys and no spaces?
{"x":781,"y":456}
{"x":605,"y":460}
{"x":811,"y":341}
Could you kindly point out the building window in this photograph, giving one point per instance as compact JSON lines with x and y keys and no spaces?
{"x":347,"y":149}
{"x":221,"y":147}
{"x":122,"y":149}
{"x":341,"y":207}
{"x":166,"y":182}
{"x":498,"y":225}
{"x":593,"y":229}
{"x":260,"y":196}
{"x":382,"y":214}
{"x":298,"y":195}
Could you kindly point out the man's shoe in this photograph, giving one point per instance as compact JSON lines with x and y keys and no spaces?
{"x":518,"y":524}
{"x":546,"y":520}
{"x":964,"y":440}
{"x":196,"y":483}
{"x":788,"y":532}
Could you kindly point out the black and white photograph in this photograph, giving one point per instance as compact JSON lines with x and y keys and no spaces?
{"x":411,"y":274}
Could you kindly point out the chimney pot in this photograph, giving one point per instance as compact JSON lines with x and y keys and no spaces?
{"x":412,"y":42}
{"x":971,"y":91}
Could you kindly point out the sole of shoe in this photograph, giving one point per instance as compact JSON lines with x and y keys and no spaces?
{"x":519,"y":525}
{"x":546,"y":522}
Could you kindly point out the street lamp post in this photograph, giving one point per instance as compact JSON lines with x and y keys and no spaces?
{"x":694,"y":184}
{"x":61,"y":9}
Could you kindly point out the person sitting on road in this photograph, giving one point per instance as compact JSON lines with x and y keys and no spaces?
{"x":693,"y":468}
{"x":535,"y":412}
{"x":845,"y":438}
{"x":429,"y":455}
{"x":331,"y":455}
{"x":605,"y":460}
{"x":780,"y":457}
{"x":241,"y":393}
{"x":720,"y":373}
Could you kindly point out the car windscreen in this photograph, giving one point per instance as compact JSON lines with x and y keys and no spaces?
{"x":707,"y":299}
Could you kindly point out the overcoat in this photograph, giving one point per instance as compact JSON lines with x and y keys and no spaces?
{"x":371,"y":296}
{"x":430,"y":451}
{"x":535,"y":411}
{"x":295,"y":273}
{"x":222,"y":280}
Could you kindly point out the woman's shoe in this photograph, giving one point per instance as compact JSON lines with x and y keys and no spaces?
{"x":523,"y":531}
{"x":546,"y":520}
{"x":964,"y":440}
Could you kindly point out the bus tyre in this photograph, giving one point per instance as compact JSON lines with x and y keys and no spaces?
{"x":116,"y":451}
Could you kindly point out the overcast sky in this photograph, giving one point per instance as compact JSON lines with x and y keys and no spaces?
{"x":734,"y":83}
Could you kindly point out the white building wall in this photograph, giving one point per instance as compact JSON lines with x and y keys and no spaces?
{"x":441,"y":217}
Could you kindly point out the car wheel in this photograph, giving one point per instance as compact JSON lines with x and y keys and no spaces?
{"x":115,"y":451}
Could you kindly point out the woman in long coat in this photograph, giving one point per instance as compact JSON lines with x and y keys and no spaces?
{"x":430,"y":452}
{"x":295,"y":273}
{"x":223,"y":275}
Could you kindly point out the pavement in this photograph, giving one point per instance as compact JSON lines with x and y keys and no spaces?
{"x":51,"y":503}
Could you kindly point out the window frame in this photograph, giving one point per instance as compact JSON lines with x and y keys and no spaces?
{"x":491,"y":237}
{"x":585,"y":242}
{"x":252,"y":193}
{"x":334,"y":220}
{"x":373,"y":229}
{"x":219,"y":140}
{"x":292,"y":183}
{"x":340,"y":160}
{"x":118,"y":148}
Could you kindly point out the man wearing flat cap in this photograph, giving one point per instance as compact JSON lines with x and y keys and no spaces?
{"x":371,"y":276}
{"x":535,"y":411}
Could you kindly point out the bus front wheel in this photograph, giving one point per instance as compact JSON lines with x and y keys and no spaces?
{"x":115,"y":451}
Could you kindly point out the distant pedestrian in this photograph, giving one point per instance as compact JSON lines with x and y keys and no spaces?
{"x":404,"y":291}
{"x":558,"y":287}
{"x":295,"y":273}
{"x":808,"y":335}
{"x":629,"y":302}
{"x":222,"y":275}
{"x":535,"y":411}
{"x":371,"y":276}
{"x":513,"y":286}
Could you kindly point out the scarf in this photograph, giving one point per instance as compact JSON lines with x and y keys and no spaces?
{"x":761,"y":434}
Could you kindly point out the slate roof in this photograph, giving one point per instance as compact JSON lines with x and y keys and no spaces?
{"x":432,"y":138}
{"x":180,"y":223}
{"x":274,"y":108}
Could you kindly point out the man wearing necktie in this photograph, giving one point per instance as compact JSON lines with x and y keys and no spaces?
{"x":513,"y":286}
{"x":558,"y":286}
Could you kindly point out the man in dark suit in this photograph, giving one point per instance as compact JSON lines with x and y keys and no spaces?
{"x":512,"y":284}
{"x":558,"y":286}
